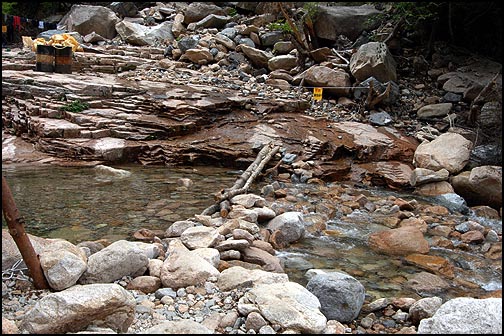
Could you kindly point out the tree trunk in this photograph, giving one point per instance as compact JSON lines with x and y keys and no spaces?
{"x":17,"y":231}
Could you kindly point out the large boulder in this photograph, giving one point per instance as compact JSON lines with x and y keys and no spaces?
{"x":335,"y":81}
{"x":121,"y":258}
{"x":74,"y":309}
{"x":63,"y":263}
{"x":199,"y":10}
{"x":86,"y":19}
{"x":286,"y":228}
{"x":449,"y":150}
{"x":480,"y":186}
{"x":465,"y":315}
{"x":341,"y":296}
{"x":184,"y":268}
{"x":287,"y":304}
{"x":373,"y":59}
{"x":332,"y":21}
{"x":140,"y":35}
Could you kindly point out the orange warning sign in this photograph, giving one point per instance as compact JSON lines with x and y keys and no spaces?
{"x":317,"y":93}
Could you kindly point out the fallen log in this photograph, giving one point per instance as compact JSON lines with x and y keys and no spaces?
{"x":243,"y":183}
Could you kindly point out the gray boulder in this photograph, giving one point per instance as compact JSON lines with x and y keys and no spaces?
{"x":341,"y":296}
{"x":86,"y":19}
{"x":350,"y":21}
{"x":119,"y":259}
{"x":140,"y":35}
{"x":373,"y":59}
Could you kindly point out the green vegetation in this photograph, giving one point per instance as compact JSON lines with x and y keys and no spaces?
{"x":281,"y":25}
{"x":232,"y":12}
{"x":9,"y":8}
{"x":415,"y":13}
{"x":75,"y":106}
{"x":311,"y":8}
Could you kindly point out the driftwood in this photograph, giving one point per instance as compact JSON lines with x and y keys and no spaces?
{"x":17,"y":231}
{"x":243,"y":183}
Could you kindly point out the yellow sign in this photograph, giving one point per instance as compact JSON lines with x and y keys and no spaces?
{"x":317,"y":94}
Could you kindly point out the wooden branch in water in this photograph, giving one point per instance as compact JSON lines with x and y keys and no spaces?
{"x":17,"y":231}
{"x":243,"y":183}
{"x":224,"y":207}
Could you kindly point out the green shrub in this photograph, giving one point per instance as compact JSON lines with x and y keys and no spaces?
{"x":75,"y":106}
{"x":280,"y":25}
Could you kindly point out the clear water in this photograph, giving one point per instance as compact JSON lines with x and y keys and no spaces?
{"x":78,"y":204}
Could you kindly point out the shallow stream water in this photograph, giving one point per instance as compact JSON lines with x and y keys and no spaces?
{"x":78,"y":204}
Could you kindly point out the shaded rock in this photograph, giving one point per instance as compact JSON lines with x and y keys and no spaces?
{"x":123,"y":9}
{"x":210,"y":21}
{"x":434,"y":110}
{"x":427,"y":284}
{"x":452,"y":202}
{"x":267,"y":261}
{"x":197,"y":11}
{"x":350,"y":21}
{"x":485,"y":155}
{"x":434,"y":189}
{"x":145,"y":283}
{"x":393,"y":174}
